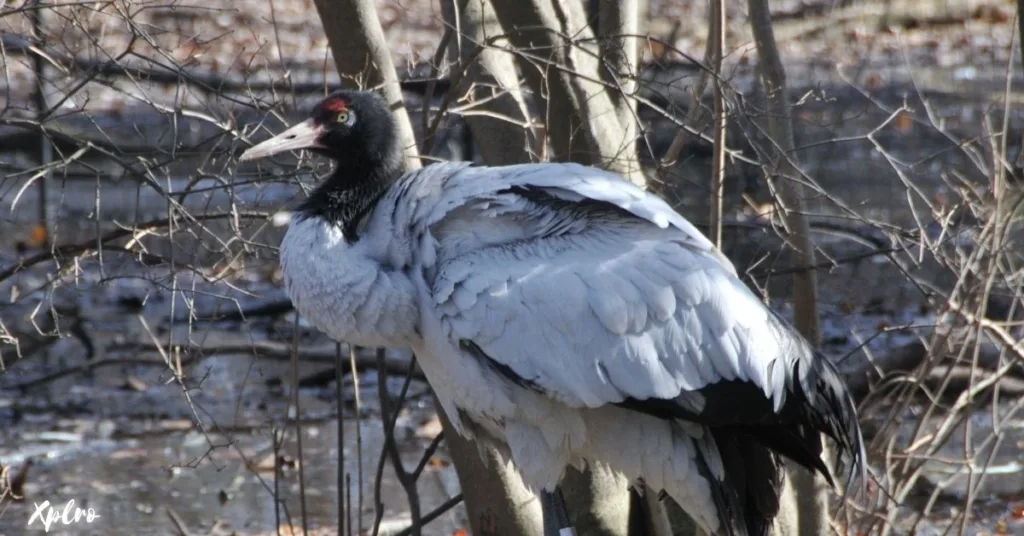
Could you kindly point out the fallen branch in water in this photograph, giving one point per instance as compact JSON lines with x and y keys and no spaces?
{"x":270,"y":308}
{"x":193,"y":353}
{"x":862,"y":378}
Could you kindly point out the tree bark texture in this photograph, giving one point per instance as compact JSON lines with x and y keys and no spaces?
{"x":583,"y":125}
{"x":716,"y":38}
{"x":496,"y":500}
{"x":500,"y":123}
{"x":617,"y":24}
{"x":581,"y":118}
{"x":598,"y":501}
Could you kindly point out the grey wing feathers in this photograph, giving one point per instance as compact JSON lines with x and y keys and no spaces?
{"x":640,"y":311}
{"x":615,"y":313}
{"x":640,"y":319}
{"x":452,"y":185}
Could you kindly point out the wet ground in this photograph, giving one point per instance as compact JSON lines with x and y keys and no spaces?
{"x":204,"y":483}
{"x":126,"y":442}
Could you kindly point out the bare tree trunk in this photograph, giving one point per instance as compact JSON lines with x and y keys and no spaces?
{"x":581,"y":118}
{"x":42,"y":110}
{"x":502,"y":133}
{"x":496,"y":499}
{"x":804,"y":504}
{"x":656,"y":522}
{"x":360,"y":51}
{"x":1019,"y":163}
{"x":617,"y":22}
{"x":1020,"y":29}
{"x":583,"y":126}
{"x":597,"y":500}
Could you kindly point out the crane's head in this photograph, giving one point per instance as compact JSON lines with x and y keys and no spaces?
{"x":352,"y":127}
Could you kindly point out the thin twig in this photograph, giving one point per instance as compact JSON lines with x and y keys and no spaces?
{"x":194,"y":353}
{"x":277,"y":438}
{"x":390,"y":448}
{"x":298,"y":425}
{"x":428,"y":454}
{"x":359,"y":514}
{"x":357,"y":392}
{"x":433,"y":514}
{"x":339,"y":392}
{"x":179,"y":524}
{"x":718,"y":28}
{"x":58,"y":252}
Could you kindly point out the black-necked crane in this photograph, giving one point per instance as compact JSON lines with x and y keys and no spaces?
{"x":562,"y":315}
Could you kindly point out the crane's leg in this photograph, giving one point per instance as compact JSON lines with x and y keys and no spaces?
{"x":556,"y":518}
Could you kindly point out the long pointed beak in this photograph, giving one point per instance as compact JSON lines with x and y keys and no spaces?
{"x":305,"y":135}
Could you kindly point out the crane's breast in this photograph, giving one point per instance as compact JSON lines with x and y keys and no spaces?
{"x":343,"y":291}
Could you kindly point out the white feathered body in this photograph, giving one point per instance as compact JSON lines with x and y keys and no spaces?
{"x":540,"y":298}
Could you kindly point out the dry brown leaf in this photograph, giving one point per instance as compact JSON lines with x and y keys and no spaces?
{"x":37,"y":237}
{"x":904,"y":122}
{"x":133,"y":383}
{"x":265,"y":464}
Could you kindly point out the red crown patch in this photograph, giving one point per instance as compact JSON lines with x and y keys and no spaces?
{"x":336,"y":104}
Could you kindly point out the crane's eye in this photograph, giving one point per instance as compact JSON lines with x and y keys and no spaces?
{"x":346,"y":117}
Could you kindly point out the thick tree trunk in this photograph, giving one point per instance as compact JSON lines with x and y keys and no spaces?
{"x":582,"y":126}
{"x":497,"y":502}
{"x":499,"y":122}
{"x":597,"y":500}
{"x":496,"y":499}
{"x":617,"y":23}
{"x":804,"y":507}
{"x":581,"y":118}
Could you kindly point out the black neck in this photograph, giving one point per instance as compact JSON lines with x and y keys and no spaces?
{"x":353,"y":190}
